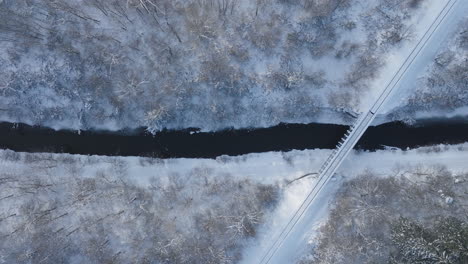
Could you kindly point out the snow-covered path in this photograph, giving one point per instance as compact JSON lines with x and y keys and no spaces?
{"x":284,"y":245}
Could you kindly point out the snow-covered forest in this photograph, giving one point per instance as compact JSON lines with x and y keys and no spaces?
{"x":79,"y":209}
{"x":442,"y":88}
{"x":192,"y":63}
{"x":219,"y":64}
{"x":60,"y":208}
{"x":414,"y":215}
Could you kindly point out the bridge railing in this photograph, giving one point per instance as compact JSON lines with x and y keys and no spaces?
{"x":341,"y":144}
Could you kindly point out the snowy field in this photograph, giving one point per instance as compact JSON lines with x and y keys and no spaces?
{"x":233,"y":204}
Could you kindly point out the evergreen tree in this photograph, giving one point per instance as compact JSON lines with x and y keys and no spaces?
{"x":446,"y":242}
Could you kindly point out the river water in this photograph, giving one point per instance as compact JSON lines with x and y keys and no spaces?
{"x":190,"y":143}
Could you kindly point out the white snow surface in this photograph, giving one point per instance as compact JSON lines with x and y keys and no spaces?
{"x":383,"y":162}
{"x":271,"y":168}
{"x":267,"y":168}
{"x":304,"y":231}
{"x":257,"y":71}
{"x":446,"y":31}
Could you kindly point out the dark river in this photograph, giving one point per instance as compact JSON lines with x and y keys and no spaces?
{"x":190,"y":143}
